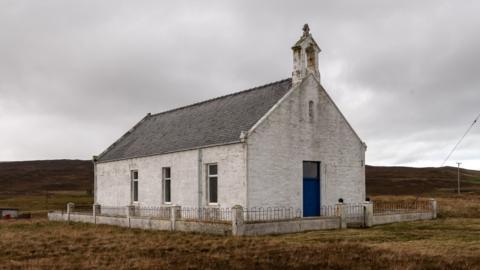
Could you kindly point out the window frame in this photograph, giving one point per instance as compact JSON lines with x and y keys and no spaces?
{"x":164,"y":184}
{"x":132,"y":186}
{"x":311,"y":109}
{"x":209,"y":175}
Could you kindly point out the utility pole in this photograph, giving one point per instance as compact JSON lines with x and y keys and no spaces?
{"x":458,"y":178}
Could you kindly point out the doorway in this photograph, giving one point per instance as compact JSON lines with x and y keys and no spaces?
{"x":311,"y":188}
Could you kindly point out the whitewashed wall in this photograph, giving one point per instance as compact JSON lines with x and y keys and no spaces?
{"x":113,"y":186}
{"x":288,"y":136}
{"x":276,"y":150}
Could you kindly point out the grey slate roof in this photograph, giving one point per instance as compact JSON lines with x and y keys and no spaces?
{"x":216,"y":121}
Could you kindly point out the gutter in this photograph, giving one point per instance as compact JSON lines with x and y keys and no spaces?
{"x":171,"y":152}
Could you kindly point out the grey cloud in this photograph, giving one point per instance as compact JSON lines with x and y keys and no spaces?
{"x":77,"y":74}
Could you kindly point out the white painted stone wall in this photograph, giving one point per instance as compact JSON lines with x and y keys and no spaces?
{"x":288,"y":136}
{"x":188,"y":178}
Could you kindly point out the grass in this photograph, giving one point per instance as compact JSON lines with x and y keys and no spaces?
{"x":467,"y":205}
{"x":39,"y":204}
{"x":474,"y":180}
{"x":452,"y":243}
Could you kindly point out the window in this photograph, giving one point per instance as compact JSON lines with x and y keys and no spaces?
{"x":310,"y":58}
{"x":134,"y":176}
{"x":212,"y":178}
{"x":167,"y":195}
{"x":311,"y":169}
{"x":310,"y":109}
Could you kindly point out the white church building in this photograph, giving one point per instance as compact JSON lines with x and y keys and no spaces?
{"x":283,"y":144}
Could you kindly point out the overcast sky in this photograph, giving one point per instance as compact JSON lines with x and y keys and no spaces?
{"x":75,"y":75}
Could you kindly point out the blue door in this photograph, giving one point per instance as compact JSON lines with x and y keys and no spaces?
{"x":311,"y":188}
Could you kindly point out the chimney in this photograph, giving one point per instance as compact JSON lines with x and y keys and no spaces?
{"x":305,"y":57}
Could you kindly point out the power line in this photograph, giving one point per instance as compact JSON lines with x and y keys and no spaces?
{"x":461,"y":139}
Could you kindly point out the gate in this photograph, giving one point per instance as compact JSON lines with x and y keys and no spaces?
{"x":355,"y":215}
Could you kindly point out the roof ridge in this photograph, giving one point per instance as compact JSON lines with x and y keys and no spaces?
{"x":220,"y":97}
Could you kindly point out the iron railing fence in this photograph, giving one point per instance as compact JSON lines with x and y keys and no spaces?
{"x":160,"y":212}
{"x":208,"y":214}
{"x":83,"y":209}
{"x":261,"y":214}
{"x":329,"y":211}
{"x":113,"y":211}
{"x":400,"y":207}
{"x":268,"y":214}
{"x":354,"y":214}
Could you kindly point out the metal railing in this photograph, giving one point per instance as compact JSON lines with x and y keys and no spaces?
{"x":329,"y":211}
{"x":400,"y":207}
{"x":261,"y":214}
{"x":205,"y":214}
{"x":354,"y":214}
{"x":159,"y":212}
{"x":268,"y":214}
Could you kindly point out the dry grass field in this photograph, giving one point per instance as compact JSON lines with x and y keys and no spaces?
{"x":450,"y":242}
{"x":39,"y":204}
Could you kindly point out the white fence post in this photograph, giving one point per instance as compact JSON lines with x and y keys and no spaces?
{"x":96,"y":211}
{"x":238,"y":221}
{"x":174,"y":214}
{"x":130,"y":209}
{"x":70,"y":209}
{"x":340,"y":212}
{"x":433,"y":204}
{"x":368,"y":214}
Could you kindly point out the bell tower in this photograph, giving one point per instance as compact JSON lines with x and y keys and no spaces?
{"x":305,"y":57}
